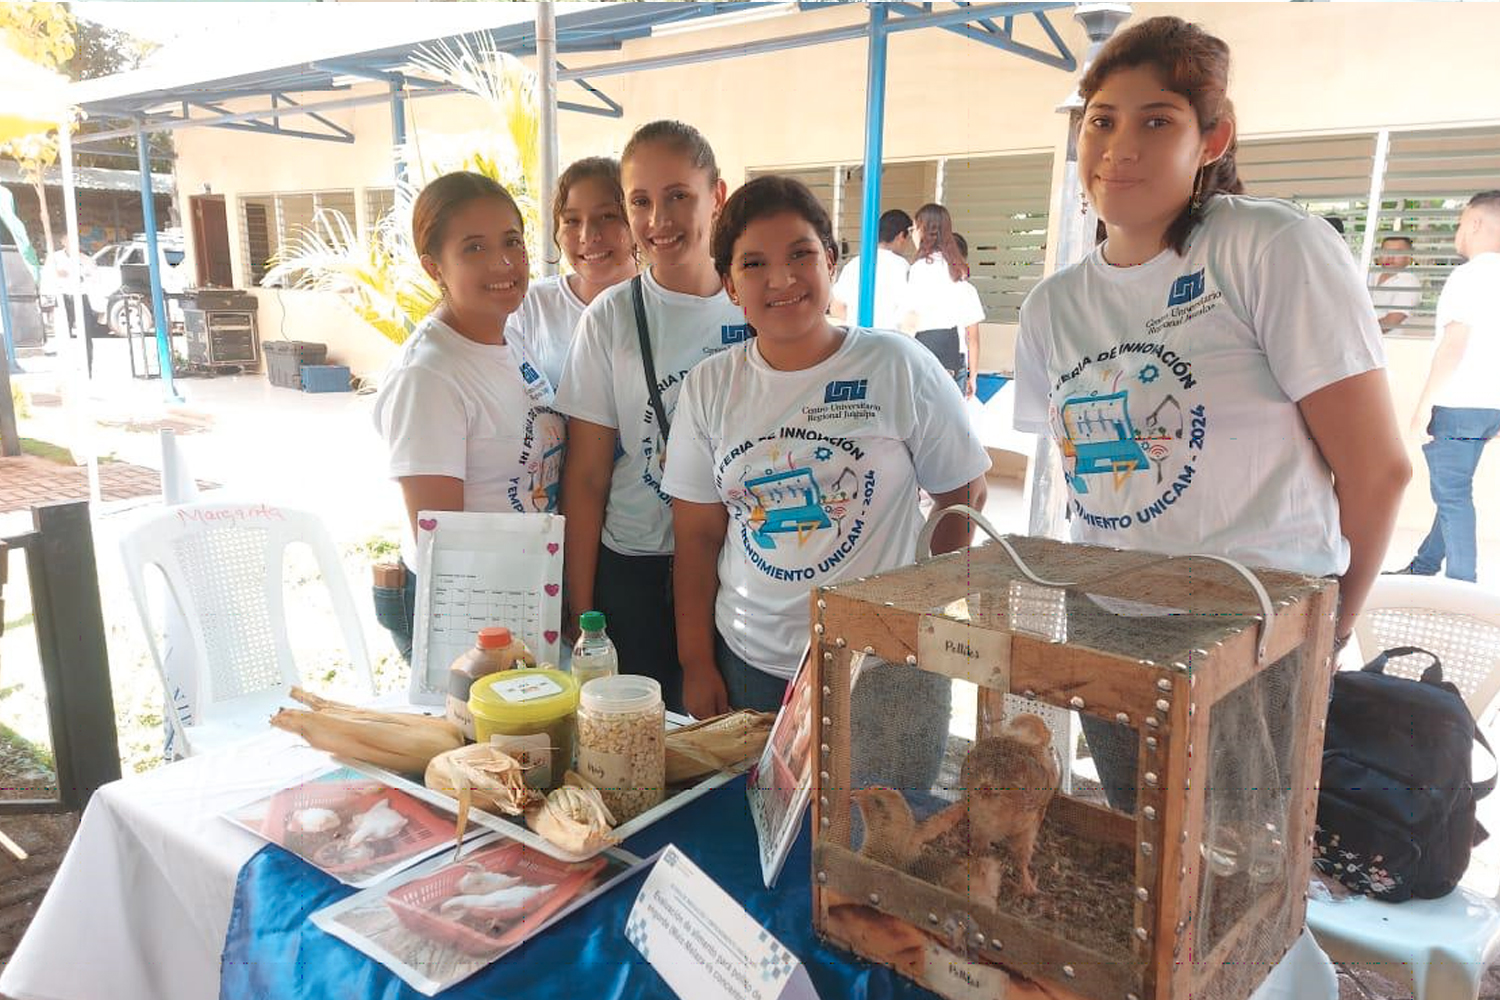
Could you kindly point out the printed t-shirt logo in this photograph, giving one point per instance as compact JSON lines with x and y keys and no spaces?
{"x":1185,"y":289}
{"x":847,"y":391}
{"x":798,"y":499}
{"x":529,"y":373}
{"x":1132,"y":420}
{"x":737,"y":334}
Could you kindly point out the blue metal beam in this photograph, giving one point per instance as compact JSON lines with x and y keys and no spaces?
{"x":869,"y":216}
{"x":991,"y":35}
{"x":153,"y":261}
{"x":611,"y":108}
{"x":283,"y":132}
{"x":327,"y":123}
{"x":398,"y":128}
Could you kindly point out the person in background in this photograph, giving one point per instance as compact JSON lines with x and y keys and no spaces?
{"x":1460,"y":403}
{"x":588,"y":217}
{"x":795,"y":462}
{"x":936,"y":308}
{"x":1336,"y":222}
{"x":968,"y":313}
{"x":466,"y":416}
{"x":890,"y":275}
{"x":1395,"y":291}
{"x":1264,"y":402}
{"x":619,"y":399}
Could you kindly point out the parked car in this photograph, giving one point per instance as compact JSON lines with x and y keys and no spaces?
{"x":117,"y":284}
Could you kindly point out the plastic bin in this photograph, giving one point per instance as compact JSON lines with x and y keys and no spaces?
{"x":285,"y":358}
{"x":325,"y":378}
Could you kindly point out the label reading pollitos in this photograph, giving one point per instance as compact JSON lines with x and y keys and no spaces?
{"x":519,"y":689}
{"x":534,"y":753}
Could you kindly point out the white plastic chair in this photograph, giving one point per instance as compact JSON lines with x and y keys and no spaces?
{"x":224,"y":565}
{"x":1441,"y":946}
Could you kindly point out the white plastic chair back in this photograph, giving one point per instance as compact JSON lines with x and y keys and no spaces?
{"x":178,"y":658}
{"x":1459,"y":622}
{"x":223,"y":566}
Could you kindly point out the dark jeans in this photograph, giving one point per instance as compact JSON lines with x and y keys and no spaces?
{"x":748,"y":686}
{"x":946,"y":346}
{"x":396,"y":609}
{"x":635,"y":594}
{"x":1459,"y":435}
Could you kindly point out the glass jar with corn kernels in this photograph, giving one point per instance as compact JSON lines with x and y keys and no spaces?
{"x":622,"y":746}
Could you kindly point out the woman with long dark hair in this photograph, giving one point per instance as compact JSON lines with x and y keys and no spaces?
{"x":931,"y":308}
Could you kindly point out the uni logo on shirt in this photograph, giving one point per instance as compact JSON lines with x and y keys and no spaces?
{"x":735,"y":334}
{"x":529,"y":373}
{"x":849,"y":391}
{"x":1186,"y":288}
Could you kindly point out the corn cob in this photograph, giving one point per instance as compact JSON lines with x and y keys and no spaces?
{"x":574,"y":817}
{"x":716,"y":744}
{"x":393,"y":740}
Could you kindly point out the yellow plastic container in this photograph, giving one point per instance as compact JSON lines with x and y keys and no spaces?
{"x":530,"y":715}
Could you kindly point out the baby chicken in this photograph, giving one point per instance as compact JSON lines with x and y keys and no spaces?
{"x":1009,"y":779}
{"x":893,"y":836}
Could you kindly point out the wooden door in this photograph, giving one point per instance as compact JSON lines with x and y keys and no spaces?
{"x":211,"y":242}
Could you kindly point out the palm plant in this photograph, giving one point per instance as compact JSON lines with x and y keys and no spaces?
{"x":380,"y":276}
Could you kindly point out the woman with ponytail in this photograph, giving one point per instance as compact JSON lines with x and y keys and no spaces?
{"x":934,"y":307}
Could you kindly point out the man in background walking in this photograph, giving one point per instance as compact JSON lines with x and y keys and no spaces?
{"x":1460,"y":404}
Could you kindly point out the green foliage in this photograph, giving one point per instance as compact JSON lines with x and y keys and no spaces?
{"x":380,"y":276}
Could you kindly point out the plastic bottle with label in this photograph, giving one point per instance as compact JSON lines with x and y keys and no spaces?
{"x":622,"y":747}
{"x":593,"y":654}
{"x":495,"y":650}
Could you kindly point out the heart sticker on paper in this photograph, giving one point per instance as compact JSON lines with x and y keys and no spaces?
{"x":427,"y":524}
{"x":552,"y":589}
{"x":550,"y":635}
{"x":552,"y":548}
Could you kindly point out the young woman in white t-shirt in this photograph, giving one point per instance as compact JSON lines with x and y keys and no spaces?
{"x":1212,"y":372}
{"x":618,"y":556}
{"x":466,"y":416}
{"x":927,"y":306}
{"x":588,"y":218}
{"x":795,"y":462}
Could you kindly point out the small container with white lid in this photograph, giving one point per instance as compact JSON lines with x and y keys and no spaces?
{"x":622,"y":746}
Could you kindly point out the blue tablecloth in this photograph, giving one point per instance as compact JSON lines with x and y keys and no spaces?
{"x":273,"y":949}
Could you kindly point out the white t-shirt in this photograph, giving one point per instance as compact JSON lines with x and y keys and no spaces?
{"x":1471,"y":295}
{"x":890,"y":282}
{"x":603,"y":382}
{"x":938,"y":301}
{"x":544,"y":324}
{"x":819,"y":471}
{"x":1401,"y":292}
{"x":1171,"y":388}
{"x":477,"y":412}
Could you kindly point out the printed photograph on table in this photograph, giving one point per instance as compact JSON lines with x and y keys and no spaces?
{"x":779,"y":781}
{"x":350,"y":826}
{"x":478,"y":570}
{"x":441,"y":923}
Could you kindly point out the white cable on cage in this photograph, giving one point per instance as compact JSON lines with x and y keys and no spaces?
{"x":924,"y":552}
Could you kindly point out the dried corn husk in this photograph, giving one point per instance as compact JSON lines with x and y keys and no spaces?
{"x":717,"y":744}
{"x":574,"y":817}
{"x":398,"y":741}
{"x":480,"y":775}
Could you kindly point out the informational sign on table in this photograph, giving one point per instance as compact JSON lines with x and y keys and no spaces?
{"x":704,"y":944}
{"x":477,"y":570}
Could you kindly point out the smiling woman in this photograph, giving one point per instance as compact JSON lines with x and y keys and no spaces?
{"x":1212,"y":373}
{"x":634,"y":345}
{"x":795,"y":462}
{"x":466,"y":416}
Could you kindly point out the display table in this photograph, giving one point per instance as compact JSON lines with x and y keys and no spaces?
{"x":156,"y":888}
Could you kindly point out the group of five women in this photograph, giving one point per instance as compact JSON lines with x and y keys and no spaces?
{"x":728,"y":447}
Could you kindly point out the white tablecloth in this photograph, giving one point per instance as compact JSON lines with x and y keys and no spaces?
{"x":141,"y":903}
{"x":140,"y":906}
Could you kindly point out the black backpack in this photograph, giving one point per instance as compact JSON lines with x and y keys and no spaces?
{"x":1396,"y":805}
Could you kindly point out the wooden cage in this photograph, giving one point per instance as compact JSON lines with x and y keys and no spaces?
{"x":1194,"y":893}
